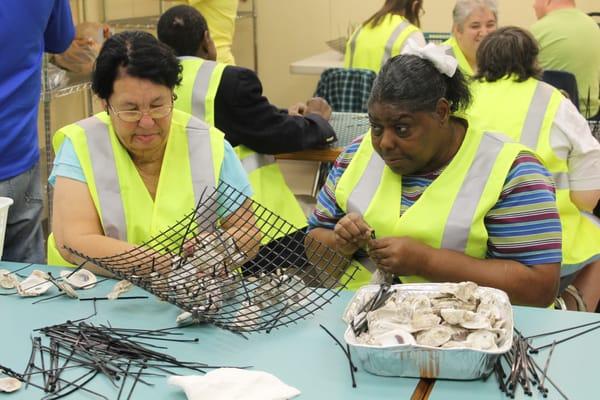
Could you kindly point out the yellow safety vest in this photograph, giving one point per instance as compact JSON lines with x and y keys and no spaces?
{"x":526,"y":111}
{"x":196,"y":95}
{"x":370,"y":47}
{"x":191,"y":165}
{"x":457,"y":53}
{"x":449,"y":214}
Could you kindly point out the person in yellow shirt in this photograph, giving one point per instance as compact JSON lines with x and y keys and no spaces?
{"x":220,"y":15}
{"x":472,"y":20}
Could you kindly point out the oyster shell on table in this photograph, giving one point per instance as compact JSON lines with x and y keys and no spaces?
{"x":9,"y":385}
{"x":119,"y":288}
{"x":80,"y":279}
{"x":8,"y":280}
{"x":35,"y":284}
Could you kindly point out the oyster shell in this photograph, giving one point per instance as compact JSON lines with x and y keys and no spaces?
{"x":119,"y":288}
{"x":9,"y":384}
{"x":35,"y":284}
{"x":482,"y":339}
{"x":394,"y":337}
{"x":81,"y":279}
{"x":8,"y":280}
{"x":435,"y":337}
{"x":68,"y":290}
{"x":421,"y":322}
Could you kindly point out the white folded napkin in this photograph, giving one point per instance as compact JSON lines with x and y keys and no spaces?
{"x":234,"y":384}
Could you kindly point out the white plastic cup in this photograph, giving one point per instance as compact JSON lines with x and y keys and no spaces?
{"x":5,"y":203}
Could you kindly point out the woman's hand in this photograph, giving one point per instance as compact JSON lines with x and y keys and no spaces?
{"x":351,"y":233}
{"x":398,"y":255}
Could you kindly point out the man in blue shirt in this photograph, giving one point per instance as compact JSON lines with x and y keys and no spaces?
{"x":27,"y":29}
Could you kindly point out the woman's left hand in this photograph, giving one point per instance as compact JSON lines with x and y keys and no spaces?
{"x":399,"y":255}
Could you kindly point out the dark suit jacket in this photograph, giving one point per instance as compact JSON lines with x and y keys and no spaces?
{"x":246,"y":117}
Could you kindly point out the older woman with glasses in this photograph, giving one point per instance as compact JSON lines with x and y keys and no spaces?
{"x":123,"y":175}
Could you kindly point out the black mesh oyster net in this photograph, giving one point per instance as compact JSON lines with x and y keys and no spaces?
{"x":235,"y":264}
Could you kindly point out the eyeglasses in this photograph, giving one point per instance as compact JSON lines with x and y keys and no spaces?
{"x":136,"y":115}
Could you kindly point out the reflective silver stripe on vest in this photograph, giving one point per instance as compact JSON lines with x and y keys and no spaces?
{"x":201,"y":88}
{"x":364,"y":191}
{"x":254,"y":161}
{"x":106,"y":177}
{"x":393,"y":37}
{"x":561,"y":180}
{"x":460,"y":219}
{"x":203,"y":173}
{"x":535,"y":115}
{"x":353,"y":46}
{"x":591,"y":217}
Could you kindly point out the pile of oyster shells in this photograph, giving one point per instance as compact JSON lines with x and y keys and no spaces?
{"x":460,"y":315}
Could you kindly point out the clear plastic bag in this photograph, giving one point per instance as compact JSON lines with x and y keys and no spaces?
{"x":81,"y":55}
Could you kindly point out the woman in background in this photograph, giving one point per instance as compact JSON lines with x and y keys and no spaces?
{"x":472,"y":20}
{"x":509,"y":97}
{"x":384,"y":34}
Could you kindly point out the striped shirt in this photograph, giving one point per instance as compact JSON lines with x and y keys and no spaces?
{"x":523,"y":225}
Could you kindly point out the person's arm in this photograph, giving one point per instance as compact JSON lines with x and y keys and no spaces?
{"x":571,"y":134}
{"x":247,"y":118}
{"x":75,"y":224}
{"x":59,"y":31}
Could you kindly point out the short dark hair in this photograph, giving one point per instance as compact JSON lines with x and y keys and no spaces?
{"x":141,"y":55}
{"x":508,"y":51}
{"x":416,"y":84}
{"x":182,"y":28}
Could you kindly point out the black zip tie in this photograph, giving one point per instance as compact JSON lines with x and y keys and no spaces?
{"x":549,"y":380}
{"x":537,"y":349}
{"x":561,"y":330}
{"x":76,"y":386}
{"x":124,"y":379}
{"x":118,"y":298}
{"x":76,"y":269}
{"x":346,"y":353}
{"x":135,"y":381}
{"x":547,"y":364}
{"x":22,"y":268}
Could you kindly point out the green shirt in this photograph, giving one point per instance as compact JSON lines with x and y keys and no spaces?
{"x":570,"y":41}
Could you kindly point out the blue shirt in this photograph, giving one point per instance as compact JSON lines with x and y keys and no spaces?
{"x":27,"y":29}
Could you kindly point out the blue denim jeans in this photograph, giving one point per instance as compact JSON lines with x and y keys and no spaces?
{"x":24,"y":239}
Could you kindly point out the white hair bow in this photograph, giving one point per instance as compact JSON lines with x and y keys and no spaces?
{"x":444,"y":63}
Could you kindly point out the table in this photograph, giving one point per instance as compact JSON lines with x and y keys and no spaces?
{"x":315,"y":65}
{"x":301,"y":355}
{"x":347,"y":126}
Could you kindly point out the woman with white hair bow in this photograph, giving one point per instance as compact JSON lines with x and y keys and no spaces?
{"x":425,"y":198}
{"x":472,"y":20}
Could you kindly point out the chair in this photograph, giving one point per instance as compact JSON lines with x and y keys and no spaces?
{"x":346,"y":89}
{"x":564,"y":81}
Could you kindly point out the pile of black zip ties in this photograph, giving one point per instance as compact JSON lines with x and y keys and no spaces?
{"x":124,"y":356}
{"x":522,"y":370}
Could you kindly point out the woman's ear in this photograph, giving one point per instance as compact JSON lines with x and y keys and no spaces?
{"x":443,"y":110}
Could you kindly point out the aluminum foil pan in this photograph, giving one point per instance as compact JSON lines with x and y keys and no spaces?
{"x":418,"y":361}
